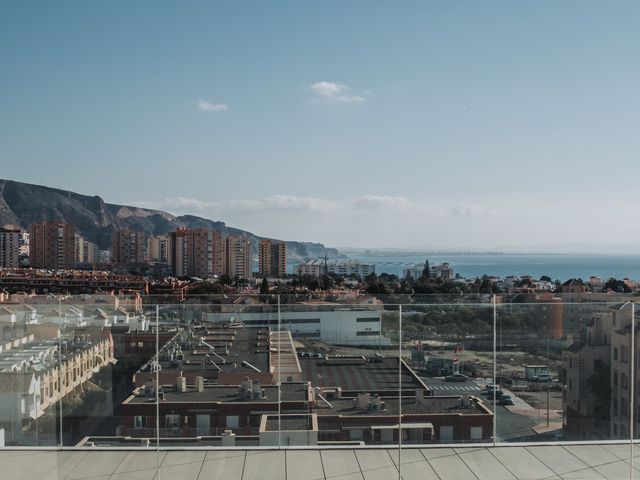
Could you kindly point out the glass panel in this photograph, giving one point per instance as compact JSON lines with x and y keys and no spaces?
{"x":451,"y":350}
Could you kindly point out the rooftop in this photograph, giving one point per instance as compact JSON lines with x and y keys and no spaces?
{"x":373,"y":376}
{"x":429,"y":405}
{"x":292,"y":392}
{"x":575,"y":461}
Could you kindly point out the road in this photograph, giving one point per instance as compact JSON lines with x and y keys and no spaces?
{"x":511,"y":426}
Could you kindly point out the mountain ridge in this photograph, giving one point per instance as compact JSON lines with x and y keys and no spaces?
{"x":22,"y":204}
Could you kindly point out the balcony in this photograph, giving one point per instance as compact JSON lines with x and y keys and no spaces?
{"x":454,"y":387}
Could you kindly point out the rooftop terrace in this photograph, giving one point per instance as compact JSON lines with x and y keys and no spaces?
{"x":550,"y":462}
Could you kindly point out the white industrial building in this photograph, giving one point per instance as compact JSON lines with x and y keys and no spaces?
{"x":340,"y":326}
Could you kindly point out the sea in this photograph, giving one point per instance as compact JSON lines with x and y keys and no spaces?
{"x":471,"y":265}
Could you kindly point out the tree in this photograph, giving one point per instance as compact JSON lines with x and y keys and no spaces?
{"x":264,"y":287}
{"x":545,"y":278}
{"x":617,"y":286}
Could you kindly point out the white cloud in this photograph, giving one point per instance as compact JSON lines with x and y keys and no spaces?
{"x":212,"y":107}
{"x":334,"y":92}
{"x":382,"y":201}
{"x":465,"y":210}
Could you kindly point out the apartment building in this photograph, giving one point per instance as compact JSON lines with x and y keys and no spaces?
{"x":345,"y":268}
{"x":86,"y":252}
{"x":36,"y":375}
{"x":196,"y":252}
{"x":128,"y":247}
{"x":10,"y":242}
{"x":238,"y":257}
{"x":272,"y":258}
{"x":158,"y":249}
{"x":51,"y":245}
{"x":583,"y":363}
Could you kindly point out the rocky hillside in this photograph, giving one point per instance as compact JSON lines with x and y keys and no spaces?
{"x":22,"y":204}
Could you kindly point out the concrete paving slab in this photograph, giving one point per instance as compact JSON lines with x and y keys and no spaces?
{"x":186,"y":471}
{"x":229,"y":468}
{"x":619,"y":470}
{"x":557,"y":459}
{"x":181,"y":457}
{"x":421,"y":470}
{"x":430,"y":453}
{"x":485,"y":466}
{"x":269,"y":465}
{"x":47,"y":465}
{"x":592,"y":455}
{"x":409,"y":455}
{"x":304,"y":465}
{"x":94,"y":464}
{"x":134,"y":461}
{"x":217,"y":454}
{"x":384,"y":473}
{"x":522,"y":464}
{"x":138,"y":475}
{"x":373,"y":459}
{"x":451,"y":468}
{"x":339,"y":462}
{"x":586,"y":474}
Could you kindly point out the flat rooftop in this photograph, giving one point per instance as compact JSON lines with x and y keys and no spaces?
{"x":368,"y":377}
{"x":552,"y":462}
{"x":212,"y":345}
{"x":429,"y":405}
{"x":291,"y":392}
{"x":289,"y":423}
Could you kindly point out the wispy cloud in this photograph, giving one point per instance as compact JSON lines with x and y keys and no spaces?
{"x":466,"y":210}
{"x":291,"y":203}
{"x":335,"y":92}
{"x":212,"y":107}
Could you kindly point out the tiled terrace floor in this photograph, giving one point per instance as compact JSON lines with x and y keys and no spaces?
{"x":605,"y":461}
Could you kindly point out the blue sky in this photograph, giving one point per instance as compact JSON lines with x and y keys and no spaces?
{"x":405,"y":124}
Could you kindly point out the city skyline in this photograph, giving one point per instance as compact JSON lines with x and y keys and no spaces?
{"x":490,"y":126}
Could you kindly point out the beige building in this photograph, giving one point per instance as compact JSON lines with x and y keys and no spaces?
{"x":585,"y":360}
{"x":85,"y":251}
{"x":272,"y":258}
{"x":10,"y":247}
{"x":158,"y":249}
{"x":52,"y":245}
{"x":238,"y":257}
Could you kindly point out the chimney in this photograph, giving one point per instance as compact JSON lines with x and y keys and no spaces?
{"x":200,"y":384}
{"x":364,"y":399}
{"x":181,"y":384}
{"x":228,"y":438}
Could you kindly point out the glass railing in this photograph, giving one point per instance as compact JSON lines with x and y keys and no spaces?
{"x":324,"y":371}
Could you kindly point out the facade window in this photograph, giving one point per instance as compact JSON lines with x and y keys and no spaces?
{"x":172,"y":421}
{"x":615,"y":353}
{"x":138,"y":421}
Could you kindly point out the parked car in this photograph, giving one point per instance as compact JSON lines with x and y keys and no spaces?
{"x":504,"y":381}
{"x":456,"y":377}
{"x":505,"y":400}
{"x":493,"y":388}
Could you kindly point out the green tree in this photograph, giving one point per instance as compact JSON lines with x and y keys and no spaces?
{"x":264,"y":287}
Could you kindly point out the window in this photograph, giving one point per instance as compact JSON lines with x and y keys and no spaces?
{"x":475,"y":433}
{"x":138,"y":421}
{"x":615,"y":353}
{"x":233,"y":422}
{"x":615,"y":378}
{"x":172,"y":421}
